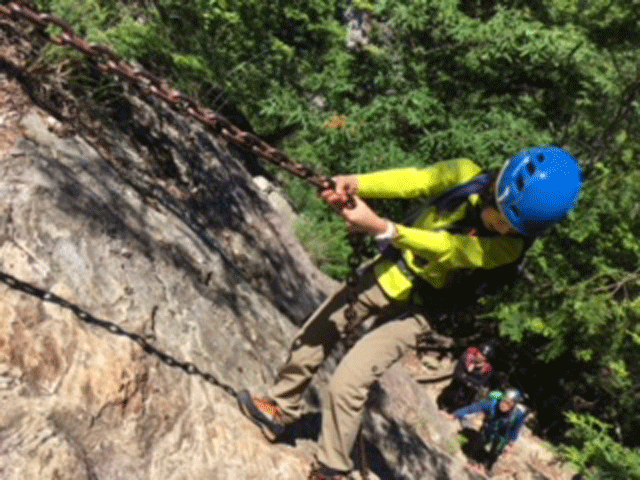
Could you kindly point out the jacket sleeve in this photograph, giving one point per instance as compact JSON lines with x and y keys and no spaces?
{"x":484,"y":406}
{"x":517,"y":425}
{"x":415,"y":182}
{"x":470,"y":379}
{"x":477,"y":379}
{"x":460,"y":371}
{"x":454,"y":251}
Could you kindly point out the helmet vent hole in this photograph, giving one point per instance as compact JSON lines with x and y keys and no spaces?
{"x":531,"y":168}
{"x":520,"y":182}
{"x":540,"y":158}
{"x":515,"y":210}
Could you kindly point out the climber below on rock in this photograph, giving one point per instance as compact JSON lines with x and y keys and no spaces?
{"x":472,"y":375}
{"x":504,"y":417}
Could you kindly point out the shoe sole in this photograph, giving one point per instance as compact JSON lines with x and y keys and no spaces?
{"x":256,"y":416}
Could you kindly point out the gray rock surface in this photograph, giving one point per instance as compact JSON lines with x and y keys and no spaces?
{"x":81,"y":402}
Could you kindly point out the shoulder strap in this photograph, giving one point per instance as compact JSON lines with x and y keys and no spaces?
{"x":456,"y":196}
{"x":450,"y":200}
{"x":494,"y":410}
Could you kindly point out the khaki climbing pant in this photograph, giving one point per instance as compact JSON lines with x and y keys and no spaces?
{"x":394,"y":330}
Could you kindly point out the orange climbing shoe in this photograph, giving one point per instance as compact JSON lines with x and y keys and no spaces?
{"x":264,"y":413}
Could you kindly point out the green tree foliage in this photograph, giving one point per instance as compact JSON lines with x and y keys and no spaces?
{"x":596,"y":454}
{"x":213,"y":49}
{"x":440,"y":79}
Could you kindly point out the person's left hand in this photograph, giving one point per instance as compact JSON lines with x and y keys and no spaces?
{"x":357,"y":214}
{"x":360,"y":218}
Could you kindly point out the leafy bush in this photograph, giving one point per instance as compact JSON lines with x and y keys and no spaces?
{"x":596,"y":454}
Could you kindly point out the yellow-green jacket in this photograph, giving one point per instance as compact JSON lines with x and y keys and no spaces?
{"x":428,"y":250}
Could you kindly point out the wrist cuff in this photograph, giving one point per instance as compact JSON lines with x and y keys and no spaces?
{"x":385,"y":238}
{"x":388,"y":234}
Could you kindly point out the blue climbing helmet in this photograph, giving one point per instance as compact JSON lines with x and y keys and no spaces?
{"x":537,"y":187}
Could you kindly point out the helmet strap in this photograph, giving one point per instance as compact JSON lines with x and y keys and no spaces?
{"x":500,"y":198}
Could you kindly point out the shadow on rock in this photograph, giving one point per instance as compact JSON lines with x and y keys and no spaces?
{"x":473,"y":448}
{"x":374,"y":461}
{"x":395,"y":450}
{"x":306,"y":428}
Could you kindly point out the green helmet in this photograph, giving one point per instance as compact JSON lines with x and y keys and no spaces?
{"x":496,"y":395}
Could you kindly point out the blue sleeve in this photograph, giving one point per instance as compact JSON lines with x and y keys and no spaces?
{"x":484,"y":406}
{"x":517,"y":426}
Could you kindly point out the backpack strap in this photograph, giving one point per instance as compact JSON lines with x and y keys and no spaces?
{"x":451,"y":200}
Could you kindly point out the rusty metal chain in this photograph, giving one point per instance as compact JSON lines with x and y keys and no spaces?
{"x":111,"y":63}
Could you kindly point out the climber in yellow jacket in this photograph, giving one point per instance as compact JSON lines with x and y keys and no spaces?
{"x":474,"y":221}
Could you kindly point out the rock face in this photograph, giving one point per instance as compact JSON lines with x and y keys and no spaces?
{"x":144,"y":277}
{"x":81,"y":402}
{"x":153,"y":240}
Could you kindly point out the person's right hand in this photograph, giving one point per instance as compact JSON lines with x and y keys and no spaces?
{"x":345,"y":187}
